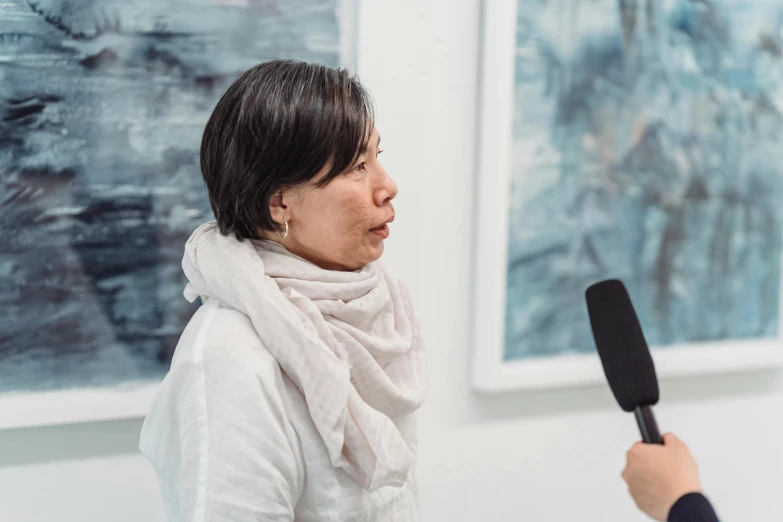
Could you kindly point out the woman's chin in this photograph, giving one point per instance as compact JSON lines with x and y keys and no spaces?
{"x":373,"y":252}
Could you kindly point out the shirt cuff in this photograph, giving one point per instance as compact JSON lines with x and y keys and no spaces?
{"x":693,"y":507}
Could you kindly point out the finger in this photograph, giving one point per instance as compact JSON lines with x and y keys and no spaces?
{"x":632,"y":491}
{"x":636,"y":449}
{"x":670,"y":439}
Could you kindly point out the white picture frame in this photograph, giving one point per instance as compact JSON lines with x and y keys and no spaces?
{"x":490,"y":372}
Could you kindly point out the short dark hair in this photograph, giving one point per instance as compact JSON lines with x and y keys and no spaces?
{"x":276,"y":127}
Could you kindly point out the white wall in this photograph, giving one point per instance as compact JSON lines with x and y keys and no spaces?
{"x":79,"y":473}
{"x":551,"y":456}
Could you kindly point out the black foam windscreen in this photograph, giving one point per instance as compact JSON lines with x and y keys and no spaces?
{"x":621,"y":346}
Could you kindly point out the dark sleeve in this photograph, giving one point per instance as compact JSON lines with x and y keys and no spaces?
{"x":693,"y":507}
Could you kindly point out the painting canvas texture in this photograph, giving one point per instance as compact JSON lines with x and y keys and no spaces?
{"x":647,"y":139}
{"x":102,"y":105}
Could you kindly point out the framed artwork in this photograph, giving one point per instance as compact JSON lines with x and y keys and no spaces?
{"x":102,"y":105}
{"x":629,"y":139}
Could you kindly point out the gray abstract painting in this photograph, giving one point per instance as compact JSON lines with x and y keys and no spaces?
{"x":102,"y":105}
{"x":647,"y":145}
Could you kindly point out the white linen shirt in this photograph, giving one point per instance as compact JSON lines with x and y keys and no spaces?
{"x":231,"y":438}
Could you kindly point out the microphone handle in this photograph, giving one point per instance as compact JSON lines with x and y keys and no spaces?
{"x":647,"y":425}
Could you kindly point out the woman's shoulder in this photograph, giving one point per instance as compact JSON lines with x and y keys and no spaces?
{"x":221,"y":358}
{"x":223,"y":387}
{"x":218,"y":330}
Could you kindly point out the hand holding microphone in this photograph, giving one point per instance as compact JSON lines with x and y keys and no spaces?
{"x":658,"y":476}
{"x":662,"y":476}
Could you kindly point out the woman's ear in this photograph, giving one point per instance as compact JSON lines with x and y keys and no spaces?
{"x":278,"y":209}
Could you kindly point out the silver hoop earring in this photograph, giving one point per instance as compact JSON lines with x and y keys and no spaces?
{"x":284,"y":234}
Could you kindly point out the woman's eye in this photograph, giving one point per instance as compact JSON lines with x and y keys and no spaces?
{"x":378,"y":153}
{"x":360,"y":167}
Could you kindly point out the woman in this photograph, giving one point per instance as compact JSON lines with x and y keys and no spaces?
{"x":293,"y":389}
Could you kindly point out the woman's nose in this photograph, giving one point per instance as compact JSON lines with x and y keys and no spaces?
{"x":387,"y":189}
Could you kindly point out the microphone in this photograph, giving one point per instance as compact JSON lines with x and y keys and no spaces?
{"x":624,"y":354}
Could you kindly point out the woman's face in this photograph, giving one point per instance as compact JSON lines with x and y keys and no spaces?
{"x":342,"y":225}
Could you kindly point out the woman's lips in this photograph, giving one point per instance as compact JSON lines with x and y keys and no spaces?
{"x":381,"y":231}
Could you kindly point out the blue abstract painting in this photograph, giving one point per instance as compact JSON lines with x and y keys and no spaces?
{"x":647,"y":146}
{"x":102,"y":105}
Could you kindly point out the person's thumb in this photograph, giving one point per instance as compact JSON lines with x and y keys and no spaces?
{"x":670,"y":439}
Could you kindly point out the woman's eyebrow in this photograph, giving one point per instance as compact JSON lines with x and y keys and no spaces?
{"x":364,"y":148}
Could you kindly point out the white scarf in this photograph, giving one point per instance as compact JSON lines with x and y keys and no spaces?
{"x":348,"y":341}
